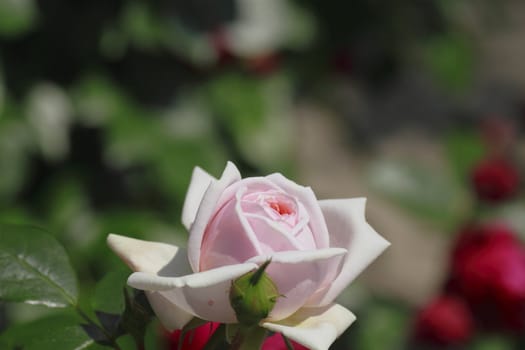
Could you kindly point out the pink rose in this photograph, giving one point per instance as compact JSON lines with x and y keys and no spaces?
{"x":316,"y":249}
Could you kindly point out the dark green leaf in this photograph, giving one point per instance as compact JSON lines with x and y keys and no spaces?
{"x":108,"y":295}
{"x":34,"y":268}
{"x":136,"y":316}
{"x":58,"y":332}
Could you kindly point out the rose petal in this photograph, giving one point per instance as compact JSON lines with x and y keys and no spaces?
{"x":348,"y":229}
{"x":271,"y":235}
{"x":155,"y":257}
{"x":207,"y":207}
{"x":203,"y":294}
{"x":146,"y":256}
{"x":307,"y":197}
{"x":299,"y":274}
{"x":171,"y":316}
{"x":200,"y":181}
{"x":316,"y":328}
{"x":229,"y":240}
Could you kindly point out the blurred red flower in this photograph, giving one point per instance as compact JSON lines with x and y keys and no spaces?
{"x":495,"y":180}
{"x":193,"y":340}
{"x":445,"y":321}
{"x":488,"y":269}
{"x":196,"y":339}
{"x":276,"y":342}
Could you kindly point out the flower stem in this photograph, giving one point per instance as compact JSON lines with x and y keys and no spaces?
{"x":108,"y":336}
{"x":217,"y":338}
{"x":250,"y":338}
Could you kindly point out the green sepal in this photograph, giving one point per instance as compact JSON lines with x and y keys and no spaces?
{"x":253,"y":296}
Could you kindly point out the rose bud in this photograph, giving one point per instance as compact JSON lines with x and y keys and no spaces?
{"x":253,"y":296}
{"x":445,"y":321}
{"x":235,"y":225}
{"x":495,"y":180}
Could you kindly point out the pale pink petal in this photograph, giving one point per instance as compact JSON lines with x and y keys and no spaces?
{"x":306,"y":196}
{"x":170,"y":315}
{"x":146,"y":256}
{"x":316,"y":328}
{"x":271,"y":235}
{"x":207,"y":208}
{"x":348,"y":229}
{"x":200,"y":181}
{"x":155,"y":257}
{"x":298,"y":274}
{"x":203,"y":294}
{"x":228,"y":239}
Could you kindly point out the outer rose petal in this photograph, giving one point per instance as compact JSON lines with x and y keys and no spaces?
{"x":348,"y":229}
{"x":203,"y":294}
{"x":170,"y":315}
{"x":316,"y":328}
{"x":207,"y":207}
{"x":154,"y":257}
{"x":298,"y":274}
{"x":200,"y":181}
{"x":146,"y":256}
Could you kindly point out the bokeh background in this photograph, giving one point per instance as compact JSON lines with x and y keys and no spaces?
{"x":106,"y":107}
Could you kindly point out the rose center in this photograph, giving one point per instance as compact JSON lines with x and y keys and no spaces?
{"x":281,"y":207}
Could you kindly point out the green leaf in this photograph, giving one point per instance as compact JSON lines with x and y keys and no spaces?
{"x":57,"y":332}
{"x":108,"y":296}
{"x":136,"y":316}
{"x":34,"y":268}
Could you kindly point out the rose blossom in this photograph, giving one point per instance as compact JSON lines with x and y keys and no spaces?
{"x":495,"y":180}
{"x":445,"y":321}
{"x":276,"y":342}
{"x":488,"y":269}
{"x":195,"y":339}
{"x":316,"y":249}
